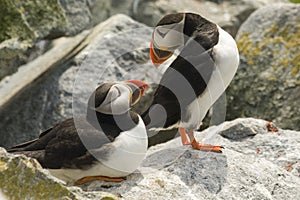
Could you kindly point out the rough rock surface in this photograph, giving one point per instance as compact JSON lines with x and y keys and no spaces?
{"x":227,"y":13}
{"x":267,"y":84}
{"x":24,"y":178}
{"x":260,"y":161}
{"x":117,"y":49}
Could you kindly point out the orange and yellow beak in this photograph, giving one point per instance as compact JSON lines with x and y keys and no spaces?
{"x":138,"y":89}
{"x":158,"y":55}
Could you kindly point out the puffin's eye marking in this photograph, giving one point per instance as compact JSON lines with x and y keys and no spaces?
{"x":114,"y":94}
{"x":160,"y":32}
{"x":119,"y":92}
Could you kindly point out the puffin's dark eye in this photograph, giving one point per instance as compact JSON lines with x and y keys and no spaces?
{"x":135,"y":96}
{"x":135,"y":93}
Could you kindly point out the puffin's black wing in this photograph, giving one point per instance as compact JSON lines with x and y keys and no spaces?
{"x":64,"y":145}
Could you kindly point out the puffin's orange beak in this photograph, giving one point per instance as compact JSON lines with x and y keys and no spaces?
{"x":138,"y":89}
{"x":155,"y":58}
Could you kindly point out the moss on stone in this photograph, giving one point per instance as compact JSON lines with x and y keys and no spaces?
{"x":23,"y":178}
{"x":295,"y":1}
{"x":12,"y":24}
{"x":30,"y":19}
{"x":19,"y":179}
{"x":269,"y":73}
{"x":42,"y":16}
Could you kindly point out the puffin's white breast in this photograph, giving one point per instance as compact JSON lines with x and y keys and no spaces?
{"x":226,"y":59}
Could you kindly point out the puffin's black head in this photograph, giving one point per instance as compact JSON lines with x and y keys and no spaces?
{"x":117,"y":98}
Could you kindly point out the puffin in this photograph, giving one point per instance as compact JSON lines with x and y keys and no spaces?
{"x":199,"y":59}
{"x":107,"y":143}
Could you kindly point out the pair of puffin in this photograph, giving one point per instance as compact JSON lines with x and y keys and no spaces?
{"x":111,"y":141}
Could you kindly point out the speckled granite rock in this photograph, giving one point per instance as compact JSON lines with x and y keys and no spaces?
{"x":267,"y":84}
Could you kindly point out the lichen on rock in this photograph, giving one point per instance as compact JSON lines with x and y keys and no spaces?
{"x":23,"y":178}
{"x":267,"y":82}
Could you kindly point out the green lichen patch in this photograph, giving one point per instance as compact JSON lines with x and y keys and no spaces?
{"x":30,"y":19}
{"x":12,"y":25}
{"x":281,"y":43}
{"x":21,"y":179}
{"x":42,"y":16}
{"x":267,"y":83}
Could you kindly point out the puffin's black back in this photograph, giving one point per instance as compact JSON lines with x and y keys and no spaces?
{"x":203,"y":31}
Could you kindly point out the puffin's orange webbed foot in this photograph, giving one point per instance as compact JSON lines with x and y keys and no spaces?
{"x":206,"y":147}
{"x":102,"y":178}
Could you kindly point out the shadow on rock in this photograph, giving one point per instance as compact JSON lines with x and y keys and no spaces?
{"x":131,"y":181}
{"x":204,"y":168}
{"x":191,"y":166}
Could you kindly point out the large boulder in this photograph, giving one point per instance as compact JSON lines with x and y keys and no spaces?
{"x":260,"y":161}
{"x":267,"y":84}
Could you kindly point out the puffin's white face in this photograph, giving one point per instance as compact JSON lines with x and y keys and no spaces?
{"x":165,"y":40}
{"x":121,"y":96}
{"x":168,"y":37}
{"x":117,"y":100}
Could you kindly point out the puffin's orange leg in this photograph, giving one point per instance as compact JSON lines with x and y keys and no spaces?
{"x":184,"y":138}
{"x":102,"y":178}
{"x":203,"y":147}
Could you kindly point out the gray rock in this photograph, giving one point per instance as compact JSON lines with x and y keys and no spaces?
{"x":116,"y":49}
{"x":228,"y":14}
{"x":173,"y":171}
{"x":263,"y":139}
{"x":267,"y":82}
